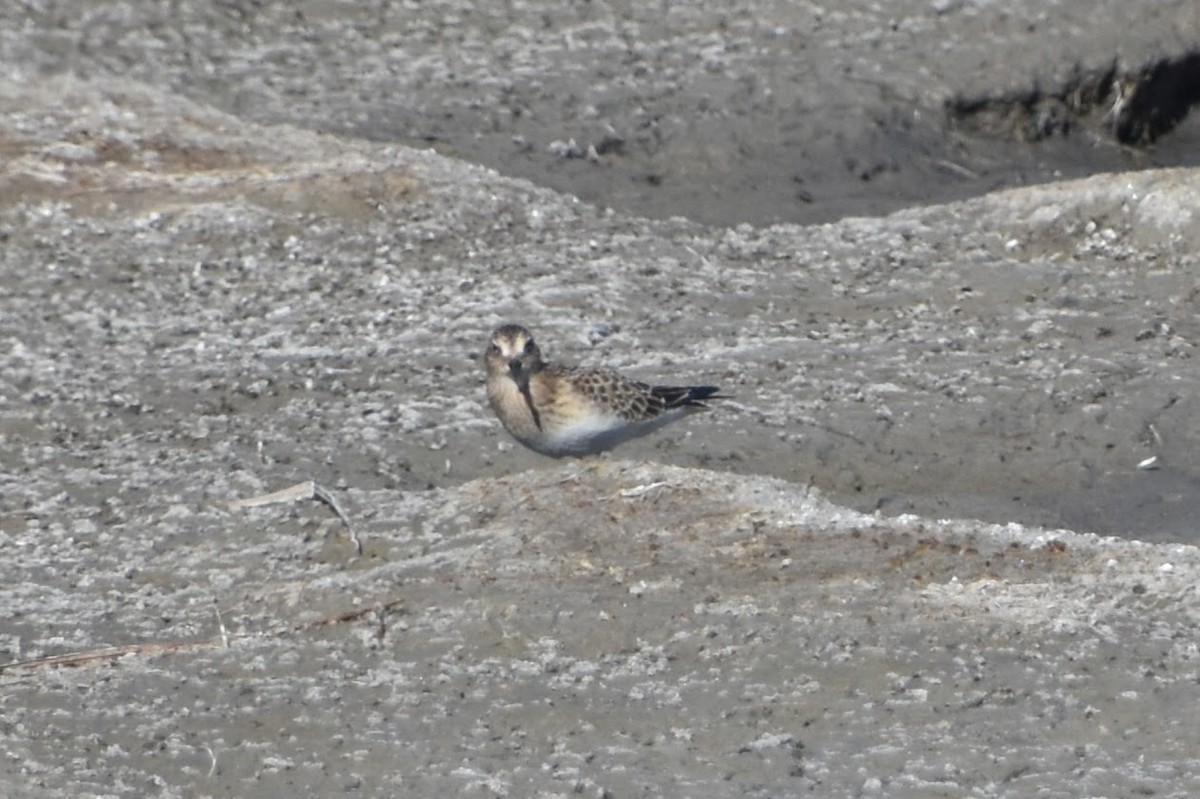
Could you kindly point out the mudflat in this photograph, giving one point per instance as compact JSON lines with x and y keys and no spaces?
{"x":247,"y":247}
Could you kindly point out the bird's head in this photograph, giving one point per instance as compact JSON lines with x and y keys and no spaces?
{"x":513,"y":353}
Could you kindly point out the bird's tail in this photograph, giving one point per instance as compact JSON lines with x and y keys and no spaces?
{"x":687,"y":396}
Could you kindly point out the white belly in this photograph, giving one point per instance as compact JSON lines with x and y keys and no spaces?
{"x":595,"y":433}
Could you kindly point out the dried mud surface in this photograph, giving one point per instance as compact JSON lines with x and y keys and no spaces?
{"x":720,"y":112}
{"x":203,"y":299}
{"x":602,"y":630}
{"x":314,"y":308}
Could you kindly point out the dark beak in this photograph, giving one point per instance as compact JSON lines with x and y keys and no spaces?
{"x":514,"y":367}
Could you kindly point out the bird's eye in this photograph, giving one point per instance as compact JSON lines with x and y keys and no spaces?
{"x":493,"y":349}
{"x":530,"y":346}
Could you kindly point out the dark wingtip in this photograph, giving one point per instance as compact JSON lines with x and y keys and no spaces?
{"x":705,"y":392}
{"x":688,"y":396}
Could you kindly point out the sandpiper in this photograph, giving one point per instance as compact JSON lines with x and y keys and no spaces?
{"x":559,"y":410}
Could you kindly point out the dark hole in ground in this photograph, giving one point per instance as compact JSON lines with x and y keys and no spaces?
{"x":1135,"y":107}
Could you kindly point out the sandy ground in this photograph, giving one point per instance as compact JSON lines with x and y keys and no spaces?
{"x":222,"y":273}
{"x":612,"y":631}
{"x":721,"y":112}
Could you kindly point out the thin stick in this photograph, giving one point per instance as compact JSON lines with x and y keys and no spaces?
{"x":309,"y":489}
{"x":221,"y":623}
{"x":114,"y":652}
{"x":348,"y":615}
{"x":107,"y":653}
{"x":321,"y":494}
{"x":305,"y":490}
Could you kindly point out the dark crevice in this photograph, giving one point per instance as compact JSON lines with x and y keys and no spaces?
{"x":1158,"y":99}
{"x":1134,"y":107}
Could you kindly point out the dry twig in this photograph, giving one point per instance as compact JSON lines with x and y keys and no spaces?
{"x":224,"y":640}
{"x":309,"y":489}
